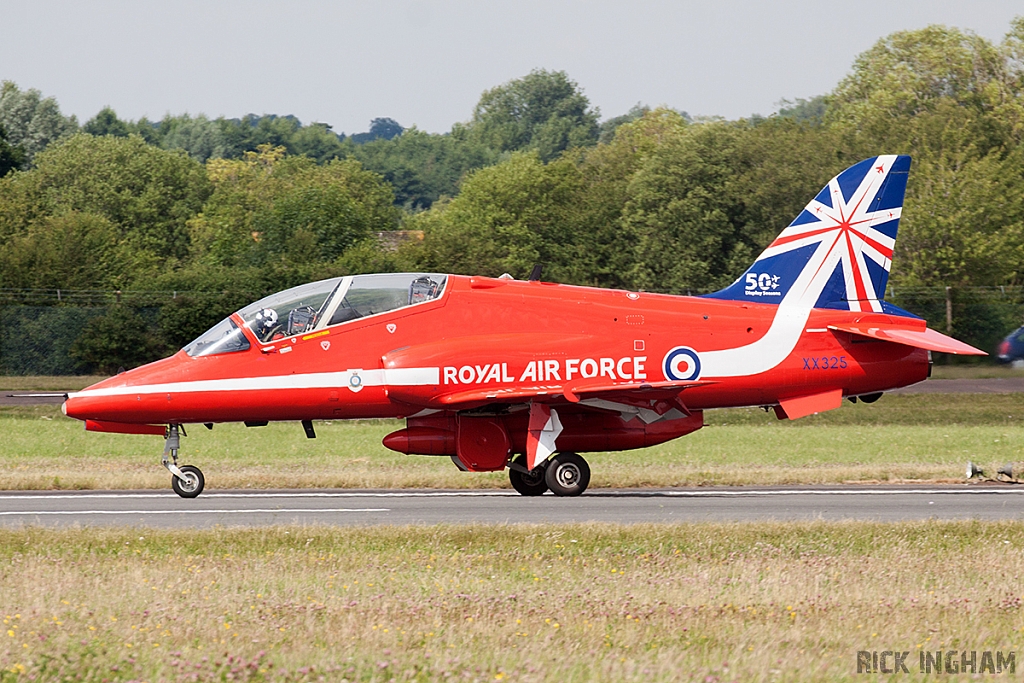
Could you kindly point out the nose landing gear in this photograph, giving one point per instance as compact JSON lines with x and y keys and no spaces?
{"x":188,"y":480}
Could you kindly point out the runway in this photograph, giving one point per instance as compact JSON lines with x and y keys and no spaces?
{"x":368,"y":508}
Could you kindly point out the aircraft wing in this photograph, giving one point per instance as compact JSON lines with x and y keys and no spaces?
{"x":649,"y":401}
{"x":624,"y":392}
{"x":923,"y":338}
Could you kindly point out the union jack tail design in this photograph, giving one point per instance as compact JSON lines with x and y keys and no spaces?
{"x":838,"y":251}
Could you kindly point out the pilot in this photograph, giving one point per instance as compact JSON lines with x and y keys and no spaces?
{"x":264,"y":324}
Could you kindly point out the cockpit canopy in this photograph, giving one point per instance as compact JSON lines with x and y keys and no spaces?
{"x":317,"y":305}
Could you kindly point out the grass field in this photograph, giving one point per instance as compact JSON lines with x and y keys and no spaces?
{"x":750,"y":602}
{"x":921,"y":437}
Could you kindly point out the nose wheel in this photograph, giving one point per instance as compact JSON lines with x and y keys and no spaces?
{"x":187,"y":480}
{"x":191,"y":482}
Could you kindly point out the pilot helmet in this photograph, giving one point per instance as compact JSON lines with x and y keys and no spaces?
{"x":266,"y":318}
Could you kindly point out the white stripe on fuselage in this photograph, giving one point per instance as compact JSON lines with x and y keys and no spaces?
{"x":312,"y":380}
{"x":784,"y":333}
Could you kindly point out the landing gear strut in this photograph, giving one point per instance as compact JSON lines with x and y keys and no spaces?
{"x":528,"y":483}
{"x":188,"y":481}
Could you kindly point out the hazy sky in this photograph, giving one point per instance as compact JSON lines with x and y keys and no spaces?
{"x":425,"y":62}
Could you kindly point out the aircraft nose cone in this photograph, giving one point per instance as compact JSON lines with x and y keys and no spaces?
{"x":82,"y":408}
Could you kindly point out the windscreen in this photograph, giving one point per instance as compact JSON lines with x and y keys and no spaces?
{"x":291,"y":312}
{"x":224,"y":337}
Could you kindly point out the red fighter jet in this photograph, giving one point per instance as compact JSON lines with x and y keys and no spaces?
{"x":498,"y":373}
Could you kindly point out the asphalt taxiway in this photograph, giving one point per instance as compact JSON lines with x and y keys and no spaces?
{"x":366,"y":508}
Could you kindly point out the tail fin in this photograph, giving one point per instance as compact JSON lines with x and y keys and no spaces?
{"x":838,"y":251}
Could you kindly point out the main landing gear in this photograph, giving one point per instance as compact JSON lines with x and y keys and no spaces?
{"x":565,"y":474}
{"x":188,"y":481}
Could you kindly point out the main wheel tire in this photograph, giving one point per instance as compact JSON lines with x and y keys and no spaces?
{"x":567,"y":474}
{"x":531,"y":484}
{"x":193,"y":484}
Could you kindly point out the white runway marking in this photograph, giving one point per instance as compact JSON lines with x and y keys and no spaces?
{"x":186,"y":512}
{"x":512,"y":494}
{"x":313,"y":494}
{"x":835,"y":492}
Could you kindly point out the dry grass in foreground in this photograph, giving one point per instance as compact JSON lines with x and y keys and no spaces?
{"x":522,"y":603}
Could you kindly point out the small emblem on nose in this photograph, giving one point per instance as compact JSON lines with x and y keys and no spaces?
{"x":392,"y":327}
{"x":325,"y":345}
{"x":355,"y":382}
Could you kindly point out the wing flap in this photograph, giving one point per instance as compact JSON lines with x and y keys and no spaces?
{"x":920,"y":338}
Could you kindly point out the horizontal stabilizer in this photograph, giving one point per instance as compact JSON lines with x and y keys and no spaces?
{"x":920,"y":338}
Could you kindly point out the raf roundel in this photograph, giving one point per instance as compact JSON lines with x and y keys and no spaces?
{"x":681,"y":364}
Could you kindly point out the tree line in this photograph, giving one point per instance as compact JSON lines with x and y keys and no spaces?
{"x":652,"y":199}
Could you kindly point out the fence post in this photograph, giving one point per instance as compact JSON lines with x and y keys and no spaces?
{"x":949,"y":312}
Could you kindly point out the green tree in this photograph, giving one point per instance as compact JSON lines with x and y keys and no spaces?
{"x":607,"y":128}
{"x":318,"y":142}
{"x":68,"y":251}
{"x":149,"y":194}
{"x":914,"y":74}
{"x":509,"y":217}
{"x":251,"y":131}
{"x":801,"y":110}
{"x":952,"y":100}
{"x":273,"y":208}
{"x":544,"y":111}
{"x":422,"y":167}
{"x":380,"y":129}
{"x":11,"y":156}
{"x":106,"y":123}
{"x":202,"y":138}
{"x":119,"y":339}
{"x":32,"y":122}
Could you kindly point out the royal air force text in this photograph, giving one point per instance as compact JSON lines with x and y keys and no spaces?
{"x":626,"y":368}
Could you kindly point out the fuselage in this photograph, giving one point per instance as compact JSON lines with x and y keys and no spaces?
{"x":482,"y":333}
